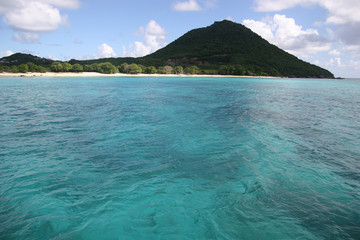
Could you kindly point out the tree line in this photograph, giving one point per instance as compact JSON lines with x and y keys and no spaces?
{"x":24,"y":68}
{"x":106,"y":67}
{"x":133,"y":68}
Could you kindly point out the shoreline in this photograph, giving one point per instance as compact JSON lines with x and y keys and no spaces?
{"x":96,"y":74}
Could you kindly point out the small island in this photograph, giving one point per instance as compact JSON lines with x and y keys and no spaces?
{"x":224,"y":48}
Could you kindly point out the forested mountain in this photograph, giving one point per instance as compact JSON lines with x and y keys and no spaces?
{"x":225,"y":47}
{"x":22,"y":58}
{"x":21,"y":62}
{"x":233,"y":45}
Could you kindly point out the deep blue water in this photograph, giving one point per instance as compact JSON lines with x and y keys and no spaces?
{"x":179,"y":158}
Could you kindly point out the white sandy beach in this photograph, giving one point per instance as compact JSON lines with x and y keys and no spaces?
{"x":96,"y":74}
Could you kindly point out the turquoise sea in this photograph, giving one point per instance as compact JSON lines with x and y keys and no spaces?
{"x":179,"y":158}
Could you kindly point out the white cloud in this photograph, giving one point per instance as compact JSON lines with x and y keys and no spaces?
{"x":69,"y":4}
{"x":9,"y":52}
{"x":154,"y":39}
{"x":35,"y":16}
{"x":264,"y":29}
{"x":140,"y":49}
{"x":355,"y":64}
{"x":338,"y":62}
{"x":340,"y":12}
{"x":105,"y":51}
{"x":352,"y":51}
{"x":334,"y":62}
{"x":190,"y":5}
{"x":277,"y":5}
{"x":230,"y":18}
{"x":343,"y":14}
{"x":286,"y":34}
{"x":6,"y":53}
{"x":193,"y":5}
{"x":26,"y":37}
{"x":335,"y":53}
{"x":63,"y":4}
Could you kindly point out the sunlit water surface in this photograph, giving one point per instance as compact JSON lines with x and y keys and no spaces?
{"x":179,"y":158}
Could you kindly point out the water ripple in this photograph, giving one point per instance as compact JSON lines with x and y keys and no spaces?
{"x":179,"y":158}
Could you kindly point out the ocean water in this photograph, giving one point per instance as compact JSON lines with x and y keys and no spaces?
{"x":179,"y":158}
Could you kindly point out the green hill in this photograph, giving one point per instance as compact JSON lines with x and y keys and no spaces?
{"x":22,"y":58}
{"x":231,"y":44}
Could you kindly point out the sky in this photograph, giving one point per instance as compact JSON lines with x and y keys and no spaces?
{"x":322,"y":32}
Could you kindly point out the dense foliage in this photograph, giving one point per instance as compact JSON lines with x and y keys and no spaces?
{"x":230,"y":48}
{"x":22,"y":63}
{"x":104,"y":67}
{"x":224,"y":48}
{"x":24,"y":68}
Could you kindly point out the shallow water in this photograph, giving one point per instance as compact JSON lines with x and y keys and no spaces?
{"x":179,"y":158}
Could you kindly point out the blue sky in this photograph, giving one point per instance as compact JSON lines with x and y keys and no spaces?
{"x":323,"y":32}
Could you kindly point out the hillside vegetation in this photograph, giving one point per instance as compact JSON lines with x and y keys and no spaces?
{"x":228,"y":46}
